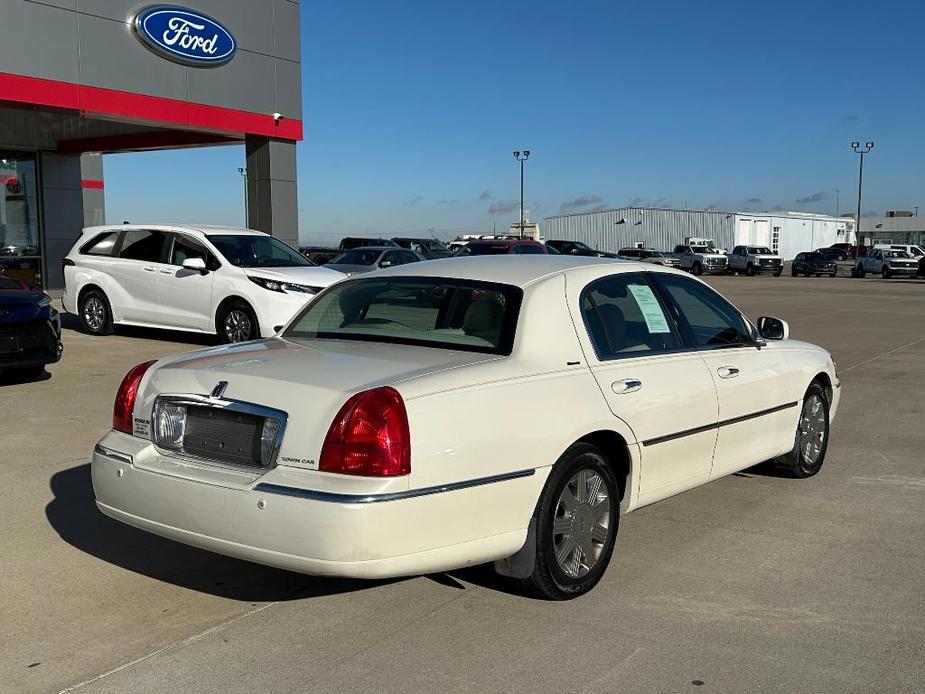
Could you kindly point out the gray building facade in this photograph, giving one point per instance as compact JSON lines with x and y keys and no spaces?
{"x":83,"y":78}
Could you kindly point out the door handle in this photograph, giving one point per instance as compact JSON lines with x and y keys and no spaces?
{"x":150,"y":269}
{"x":627,"y":385}
{"x":727,"y":372}
{"x":166,"y":272}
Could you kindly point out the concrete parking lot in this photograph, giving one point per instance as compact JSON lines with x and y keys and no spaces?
{"x":752,"y":583}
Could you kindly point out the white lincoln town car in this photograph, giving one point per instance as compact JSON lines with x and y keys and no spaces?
{"x":442,"y":414}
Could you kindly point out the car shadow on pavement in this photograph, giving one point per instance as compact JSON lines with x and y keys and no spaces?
{"x":14,"y":379}
{"x":72,"y":323}
{"x":74,"y":516}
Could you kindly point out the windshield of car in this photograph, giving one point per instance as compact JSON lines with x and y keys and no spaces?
{"x":484,"y":249}
{"x":701,"y":249}
{"x":426,"y":311}
{"x":759,"y":250}
{"x":358,"y":257}
{"x":251,"y":250}
{"x":895,"y":254}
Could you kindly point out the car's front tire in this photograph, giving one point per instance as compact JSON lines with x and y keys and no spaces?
{"x":577,"y":517}
{"x":95,"y":313}
{"x":811,"y":440}
{"x":885,"y":271}
{"x":697,"y":269}
{"x":749,"y":270}
{"x":237,"y":323}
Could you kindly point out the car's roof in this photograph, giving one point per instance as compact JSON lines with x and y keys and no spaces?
{"x":204,"y":229}
{"x":497,"y":242}
{"x":518,"y":270}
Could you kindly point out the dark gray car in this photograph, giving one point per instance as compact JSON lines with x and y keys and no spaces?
{"x":369,"y":258}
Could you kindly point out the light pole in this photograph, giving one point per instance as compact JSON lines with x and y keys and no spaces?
{"x":837,"y":191}
{"x":522,"y":157}
{"x":856,"y":146}
{"x":243,"y":172}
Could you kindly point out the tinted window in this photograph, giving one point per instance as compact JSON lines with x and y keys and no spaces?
{"x":527,"y":249}
{"x":711,"y":320}
{"x":185,"y":247}
{"x":358,"y":257}
{"x":485,"y":249}
{"x":701,"y":249}
{"x":100,"y":245}
{"x":393,"y":258}
{"x":629,"y":253}
{"x":624,"y":317}
{"x":141,"y":244}
{"x":759,"y":250}
{"x":431,"y":312}
{"x":253,"y":250}
{"x":408,"y":257}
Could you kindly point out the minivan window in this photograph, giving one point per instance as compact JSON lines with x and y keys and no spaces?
{"x":143,"y":244}
{"x":456,"y":314}
{"x":184,"y":247}
{"x":257,"y":250}
{"x":102,"y":244}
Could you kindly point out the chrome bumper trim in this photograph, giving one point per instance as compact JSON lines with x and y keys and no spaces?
{"x":333,"y":497}
{"x":114,"y":455}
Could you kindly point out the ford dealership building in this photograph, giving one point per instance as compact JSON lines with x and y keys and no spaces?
{"x":80,"y":78}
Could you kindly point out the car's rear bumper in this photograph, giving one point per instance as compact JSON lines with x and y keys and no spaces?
{"x":318,"y":533}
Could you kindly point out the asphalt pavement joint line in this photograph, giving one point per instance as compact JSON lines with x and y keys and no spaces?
{"x":880,"y":356}
{"x":171,"y":646}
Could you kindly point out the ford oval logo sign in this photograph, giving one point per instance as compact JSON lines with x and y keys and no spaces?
{"x":184,"y":36}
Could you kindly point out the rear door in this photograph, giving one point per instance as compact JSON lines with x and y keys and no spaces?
{"x":756,"y":416}
{"x":134,"y":274}
{"x":663,"y":392}
{"x":185,"y":295}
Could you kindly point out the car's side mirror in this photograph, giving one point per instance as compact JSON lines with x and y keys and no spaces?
{"x":771,"y":328}
{"x":385,"y":263}
{"x":195,"y":264}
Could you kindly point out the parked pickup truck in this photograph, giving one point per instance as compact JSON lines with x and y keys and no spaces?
{"x":888,"y":262}
{"x":753,"y":260}
{"x":701,"y":259}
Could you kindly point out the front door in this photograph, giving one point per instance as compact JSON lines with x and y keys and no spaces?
{"x":756,"y":420}
{"x":639,"y":362}
{"x":186,"y":295}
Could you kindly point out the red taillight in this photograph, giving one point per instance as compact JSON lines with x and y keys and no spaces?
{"x":369,"y":436}
{"x":125,"y":398}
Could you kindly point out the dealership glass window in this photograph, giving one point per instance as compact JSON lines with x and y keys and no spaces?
{"x":20,"y":244}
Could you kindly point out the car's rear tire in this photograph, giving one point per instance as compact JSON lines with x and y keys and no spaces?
{"x":237,"y":323}
{"x":576,"y":519}
{"x":811,"y":439}
{"x":885,"y":272}
{"x":95,"y":313}
{"x":793,"y":272}
{"x":859,"y":272}
{"x":750,"y":270}
{"x":697,"y":269}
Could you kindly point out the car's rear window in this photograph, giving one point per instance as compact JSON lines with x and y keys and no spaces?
{"x":485,"y":249}
{"x":456,"y":314}
{"x":358,"y":257}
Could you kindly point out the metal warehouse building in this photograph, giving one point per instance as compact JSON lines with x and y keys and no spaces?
{"x":787,"y":233}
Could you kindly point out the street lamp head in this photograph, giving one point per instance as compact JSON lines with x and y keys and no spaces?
{"x":516,"y":154}
{"x":869,"y":145}
{"x":855,"y":144}
{"x":526,"y":154}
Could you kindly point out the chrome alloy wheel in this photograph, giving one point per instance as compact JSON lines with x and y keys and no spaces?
{"x":581,"y":523}
{"x":237,"y":326}
{"x":812,"y":429}
{"x":94,"y":313}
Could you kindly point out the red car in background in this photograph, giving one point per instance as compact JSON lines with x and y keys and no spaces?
{"x":503,"y":247}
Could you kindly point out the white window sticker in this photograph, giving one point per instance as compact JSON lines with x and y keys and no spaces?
{"x":650,"y":308}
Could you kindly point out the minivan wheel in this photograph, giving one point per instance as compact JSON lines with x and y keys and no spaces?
{"x":811,"y":439}
{"x":95,"y":313}
{"x":577,"y":516}
{"x":237,"y":323}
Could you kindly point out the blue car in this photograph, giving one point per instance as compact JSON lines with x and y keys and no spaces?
{"x":30,"y":330}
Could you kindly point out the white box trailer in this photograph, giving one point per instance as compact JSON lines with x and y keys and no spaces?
{"x":790,"y":233}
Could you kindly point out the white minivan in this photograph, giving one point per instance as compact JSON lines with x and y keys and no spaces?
{"x":240,"y":284}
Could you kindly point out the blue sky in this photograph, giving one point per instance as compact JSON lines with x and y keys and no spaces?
{"x":412,"y":109}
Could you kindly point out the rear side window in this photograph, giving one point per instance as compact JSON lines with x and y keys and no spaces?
{"x":101,"y":244}
{"x":624,"y":317}
{"x":527,"y":249}
{"x":142,"y":244}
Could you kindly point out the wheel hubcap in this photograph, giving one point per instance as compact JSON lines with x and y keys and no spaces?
{"x":812,"y":429}
{"x":581,"y":524}
{"x":94,"y":313}
{"x":237,"y":326}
